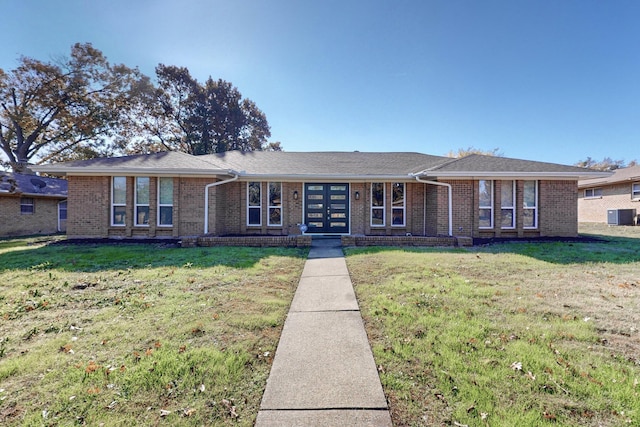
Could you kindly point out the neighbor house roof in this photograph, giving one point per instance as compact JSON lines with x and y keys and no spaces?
{"x":283,"y":165}
{"x":32,"y":185}
{"x":618,"y":176}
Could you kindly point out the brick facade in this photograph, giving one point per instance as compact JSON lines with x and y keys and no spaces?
{"x":43,"y":220}
{"x":426,"y":210}
{"x":614,"y":196}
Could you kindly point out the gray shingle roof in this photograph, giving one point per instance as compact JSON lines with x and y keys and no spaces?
{"x":482,"y":163}
{"x":32,"y":185}
{"x":618,"y":175}
{"x":343,"y":164}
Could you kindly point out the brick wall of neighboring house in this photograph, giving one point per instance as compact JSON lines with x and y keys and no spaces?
{"x":44,"y":219}
{"x":616,"y":196}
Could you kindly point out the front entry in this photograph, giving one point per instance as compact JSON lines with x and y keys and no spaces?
{"x":327,"y":208}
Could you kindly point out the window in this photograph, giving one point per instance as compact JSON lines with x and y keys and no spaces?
{"x":485,"y":214}
{"x":635,"y":190}
{"x":397,"y":204}
{"x":530,"y":202}
{"x":62,"y":210}
{"x":254,"y":204}
{"x":275,"y":203}
{"x":507,"y":204}
{"x":591,"y":193}
{"x":27,"y":206}
{"x":142,"y":200}
{"x":165,"y":202}
{"x":377,"y":204}
{"x":118,"y":200}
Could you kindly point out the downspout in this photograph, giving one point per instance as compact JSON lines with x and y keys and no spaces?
{"x":206,"y":198}
{"x":442,"y":184}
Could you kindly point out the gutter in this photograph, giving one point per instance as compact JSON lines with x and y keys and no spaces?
{"x":442,"y":184}
{"x":236,"y":175}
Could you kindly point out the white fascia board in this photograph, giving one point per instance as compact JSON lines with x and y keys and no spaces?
{"x":326,"y":178}
{"x":512,"y":175}
{"x":105,"y":171}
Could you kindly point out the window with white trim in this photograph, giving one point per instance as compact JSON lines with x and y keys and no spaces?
{"x":635,"y":190}
{"x":275,"y":203}
{"x":165,"y":201}
{"x":592,"y":193}
{"x":254,"y":203}
{"x":485,"y":213}
{"x":507,"y":204}
{"x":530,"y":204}
{"x":118,"y":200}
{"x":397,"y":204}
{"x":142,"y":201}
{"x":377,"y":204}
{"x":27,"y":206}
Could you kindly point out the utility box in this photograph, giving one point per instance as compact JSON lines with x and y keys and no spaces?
{"x":620,"y":216}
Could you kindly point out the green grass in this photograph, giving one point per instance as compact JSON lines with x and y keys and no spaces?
{"x":139,"y":334}
{"x":517,"y":334}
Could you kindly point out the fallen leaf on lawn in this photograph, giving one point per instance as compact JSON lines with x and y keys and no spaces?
{"x":91,"y":367}
{"x":187,"y":412}
{"x":202,"y":388}
{"x":483,"y":415}
{"x":164,"y":412}
{"x":530,"y":376}
{"x":516,"y":366}
{"x":149,"y":352}
{"x":157,"y":344}
{"x":182,"y":349}
{"x":66,"y":348}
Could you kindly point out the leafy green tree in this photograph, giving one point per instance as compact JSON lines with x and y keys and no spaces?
{"x":184,"y":115}
{"x":71,"y":108}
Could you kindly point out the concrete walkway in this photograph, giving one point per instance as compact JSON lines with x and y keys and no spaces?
{"x":323,"y":372}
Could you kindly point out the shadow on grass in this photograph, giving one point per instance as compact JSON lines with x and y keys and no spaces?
{"x":100,"y":257}
{"x":591,"y":249}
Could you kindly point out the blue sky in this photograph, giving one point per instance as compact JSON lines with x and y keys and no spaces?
{"x":544,"y":80}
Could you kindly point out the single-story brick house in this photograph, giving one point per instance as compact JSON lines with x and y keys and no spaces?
{"x":173,"y":194}
{"x":30,"y":204}
{"x":619,"y":191}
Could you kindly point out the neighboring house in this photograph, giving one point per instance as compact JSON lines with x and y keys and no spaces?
{"x":621,"y":190}
{"x":262,"y":193}
{"x":30,"y":204}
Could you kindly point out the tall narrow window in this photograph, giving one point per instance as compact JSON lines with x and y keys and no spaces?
{"x":62,"y":210}
{"x":530,"y":202}
{"x":254,"y":204}
{"x":165,"y":202}
{"x":507,"y":204}
{"x":275,"y":203}
{"x":377,"y":204}
{"x":635,"y":190}
{"x":118,"y":200}
{"x":142,"y":200}
{"x":485,"y":214}
{"x":397,"y":204}
{"x":27,"y":206}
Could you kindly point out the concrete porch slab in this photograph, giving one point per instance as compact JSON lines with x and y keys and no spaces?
{"x":322,"y":293}
{"x":323,"y":361}
{"x":322,"y":418}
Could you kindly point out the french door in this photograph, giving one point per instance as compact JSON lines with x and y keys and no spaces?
{"x":327,"y":208}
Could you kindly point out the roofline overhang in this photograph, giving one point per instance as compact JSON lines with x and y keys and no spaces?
{"x":595,"y":182}
{"x":323,"y":177}
{"x":510,"y":174}
{"x":111,"y":171}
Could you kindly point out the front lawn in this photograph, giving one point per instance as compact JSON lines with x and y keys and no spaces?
{"x":139,"y":334}
{"x":518,"y":334}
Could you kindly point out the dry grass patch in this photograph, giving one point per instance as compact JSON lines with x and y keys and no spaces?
{"x":139,"y":334}
{"x":506,"y":334}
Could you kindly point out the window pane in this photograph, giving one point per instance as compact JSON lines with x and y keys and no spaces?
{"x":62,"y":210}
{"x":397,"y":216}
{"x":507,"y":218}
{"x":254,"y":194}
{"x":485,"y":218}
{"x":315,"y":206}
{"x":142,"y":215}
{"x":166,"y":215}
{"x":275,"y":194}
{"x":506,"y":190}
{"x":485,"y":190}
{"x":254,"y":216}
{"x":377,"y":216}
{"x":166,"y":191}
{"x":142,"y":190}
{"x":338,"y":188}
{"x":377,"y":194}
{"x":398,"y":194}
{"x":529,"y":218}
{"x":275,"y":216}
{"x":315,"y":188}
{"x":119,"y":190}
{"x":529,"y":194}
{"x":26,"y":205}
{"x":119,"y":214}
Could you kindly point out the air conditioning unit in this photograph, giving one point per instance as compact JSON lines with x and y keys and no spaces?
{"x":620,"y":216}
